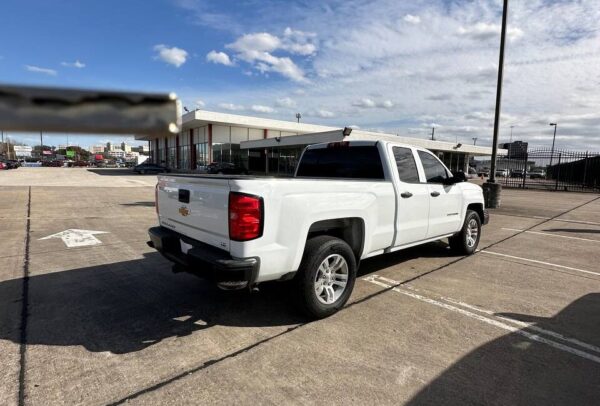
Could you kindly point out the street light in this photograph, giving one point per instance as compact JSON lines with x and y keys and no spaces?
{"x":553,"y":139}
{"x":474,"y":140}
{"x":492,"y":190}
{"x":298,"y":116}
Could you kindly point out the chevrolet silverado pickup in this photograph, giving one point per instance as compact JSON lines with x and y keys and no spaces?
{"x":347,"y":201}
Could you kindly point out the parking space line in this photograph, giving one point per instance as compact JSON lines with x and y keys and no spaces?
{"x":484,"y":319}
{"x":520,"y":323}
{"x":591,"y":223}
{"x":550,"y":234}
{"x":540,"y":262}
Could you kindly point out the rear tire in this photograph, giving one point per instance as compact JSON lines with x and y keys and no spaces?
{"x":326,"y":276}
{"x":465,"y":242}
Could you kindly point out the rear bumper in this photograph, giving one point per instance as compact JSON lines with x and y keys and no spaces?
{"x":486,"y":217}
{"x":202,"y":260}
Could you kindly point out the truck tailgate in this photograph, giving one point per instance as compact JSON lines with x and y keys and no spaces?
{"x":195,"y":206}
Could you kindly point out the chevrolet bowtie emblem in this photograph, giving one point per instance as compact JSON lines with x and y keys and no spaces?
{"x":184,"y":211}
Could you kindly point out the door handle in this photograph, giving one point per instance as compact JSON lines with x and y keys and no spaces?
{"x":435,"y":194}
{"x":406,"y":195}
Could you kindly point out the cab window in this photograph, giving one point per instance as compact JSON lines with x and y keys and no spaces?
{"x":434,"y":170}
{"x":407,"y":167}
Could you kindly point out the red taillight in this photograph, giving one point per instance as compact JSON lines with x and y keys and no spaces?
{"x":156,"y":198}
{"x":245,"y":216}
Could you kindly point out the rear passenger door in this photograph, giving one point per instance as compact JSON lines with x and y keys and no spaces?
{"x":445,"y":200}
{"x":412,"y":211}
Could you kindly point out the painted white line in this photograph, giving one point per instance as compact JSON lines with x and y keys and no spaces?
{"x":540,"y":262}
{"x":487,"y":320}
{"x":550,"y":234}
{"x":592,"y":223}
{"x":520,"y":323}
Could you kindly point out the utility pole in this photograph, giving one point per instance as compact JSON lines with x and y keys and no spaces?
{"x":492,"y":190}
{"x":298,"y":117}
{"x":432,"y":133}
{"x":474,"y":140}
{"x":553,"y":139}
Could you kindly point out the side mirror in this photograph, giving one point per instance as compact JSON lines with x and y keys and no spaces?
{"x":457,"y":177}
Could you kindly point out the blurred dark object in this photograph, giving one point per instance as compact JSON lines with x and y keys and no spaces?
{"x":25,"y":108}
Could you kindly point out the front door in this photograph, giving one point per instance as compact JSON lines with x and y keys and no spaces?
{"x":445,"y":200}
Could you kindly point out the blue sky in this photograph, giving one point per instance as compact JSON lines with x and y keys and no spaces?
{"x":382,"y":65}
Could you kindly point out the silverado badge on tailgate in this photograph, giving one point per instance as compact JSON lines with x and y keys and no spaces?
{"x":184,"y":211}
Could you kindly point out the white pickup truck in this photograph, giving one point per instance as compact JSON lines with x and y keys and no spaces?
{"x":348,"y":201}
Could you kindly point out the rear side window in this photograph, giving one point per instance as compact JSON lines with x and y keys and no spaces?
{"x":356,"y":162}
{"x":434,"y":170}
{"x":407,"y":167}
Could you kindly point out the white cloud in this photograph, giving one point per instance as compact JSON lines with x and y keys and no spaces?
{"x":38,"y":69}
{"x":409,"y":18}
{"x":77,"y":64}
{"x":369,"y":103}
{"x":325,"y":113}
{"x":219,"y":58}
{"x":285,"y":102}
{"x":262,"y":109}
{"x":199,"y":103}
{"x":485,"y":31}
{"x":366,"y":102}
{"x":258,"y":50}
{"x":173,"y":56}
{"x":231,"y":106}
{"x":299,"y":42}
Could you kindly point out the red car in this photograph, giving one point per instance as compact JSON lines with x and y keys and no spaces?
{"x":2,"y":165}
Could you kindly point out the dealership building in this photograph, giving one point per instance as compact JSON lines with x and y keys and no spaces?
{"x":271,"y":147}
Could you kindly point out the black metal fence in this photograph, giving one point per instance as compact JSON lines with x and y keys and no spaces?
{"x":542,"y":169}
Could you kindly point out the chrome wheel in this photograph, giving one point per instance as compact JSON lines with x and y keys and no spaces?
{"x":472,"y":233}
{"x":331,"y":278}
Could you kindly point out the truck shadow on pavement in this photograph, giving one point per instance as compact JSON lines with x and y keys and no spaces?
{"x":128,"y":306}
{"x":514,"y":370}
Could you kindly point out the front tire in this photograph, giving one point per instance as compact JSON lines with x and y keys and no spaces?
{"x":465,"y":242}
{"x":326,"y":276}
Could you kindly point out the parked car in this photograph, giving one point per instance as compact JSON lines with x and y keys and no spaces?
{"x":347,"y":201}
{"x":517,"y":173}
{"x":537,"y":174}
{"x":226,"y":168}
{"x":2,"y":166}
{"x":149,"y":167}
{"x":502,"y":173}
{"x":10,"y":163}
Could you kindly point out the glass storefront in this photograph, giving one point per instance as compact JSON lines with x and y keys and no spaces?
{"x":184,"y":157}
{"x":171,"y":157}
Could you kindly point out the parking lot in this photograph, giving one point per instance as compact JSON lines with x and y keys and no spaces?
{"x":516,"y":323}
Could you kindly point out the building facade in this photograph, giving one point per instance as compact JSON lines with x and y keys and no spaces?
{"x":266,"y":146}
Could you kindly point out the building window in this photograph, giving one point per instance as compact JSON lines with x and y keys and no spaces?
{"x":184,"y":157}
{"x":171,"y":159}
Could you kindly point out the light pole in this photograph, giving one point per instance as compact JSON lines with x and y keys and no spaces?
{"x":298,"y":116}
{"x":492,"y":189}
{"x":511,"y":127}
{"x":432,"y":133}
{"x":553,"y":139}
{"x":474,"y":140}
